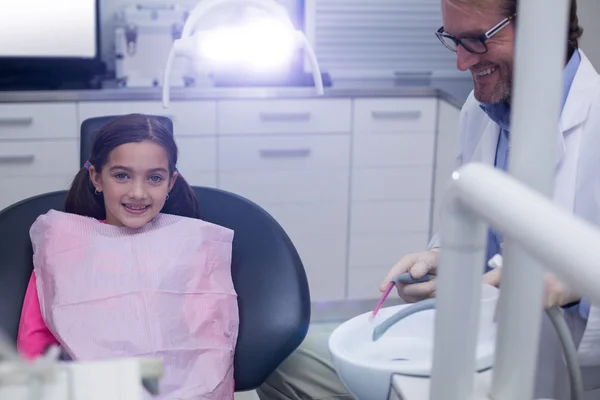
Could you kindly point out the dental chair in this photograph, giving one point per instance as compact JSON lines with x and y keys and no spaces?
{"x":268,"y":275}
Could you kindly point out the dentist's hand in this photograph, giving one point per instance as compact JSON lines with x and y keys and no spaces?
{"x":556,"y":294}
{"x":418,"y":265}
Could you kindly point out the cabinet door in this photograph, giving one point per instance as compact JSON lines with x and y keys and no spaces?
{"x":198,"y":160}
{"x":301,"y":179}
{"x":16,"y":189}
{"x":393,"y":159}
{"x":303,"y":183}
{"x":38,"y":149}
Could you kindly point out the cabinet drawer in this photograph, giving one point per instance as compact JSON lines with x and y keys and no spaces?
{"x":283,"y":153}
{"x":394,"y":150}
{"x":390,"y":217}
{"x":383,"y":250}
{"x":189,"y":118}
{"x":285,"y":116}
{"x":196,"y":153}
{"x":38,"y":121}
{"x":324,"y":260}
{"x":409,"y":183}
{"x":327,"y":218}
{"x":375,"y":116}
{"x":15,"y":189}
{"x":201,"y":178}
{"x":277,"y":187}
{"x":40,"y":159}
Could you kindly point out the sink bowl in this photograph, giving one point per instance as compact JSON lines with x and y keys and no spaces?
{"x":366,"y":367}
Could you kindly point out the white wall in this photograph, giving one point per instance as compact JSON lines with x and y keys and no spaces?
{"x":589,"y":13}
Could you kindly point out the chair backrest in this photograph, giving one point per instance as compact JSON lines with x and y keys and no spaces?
{"x":90,"y":126}
{"x":16,"y":263}
{"x":268,"y":275}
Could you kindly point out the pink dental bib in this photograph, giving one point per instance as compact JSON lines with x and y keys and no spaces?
{"x":164,"y":290}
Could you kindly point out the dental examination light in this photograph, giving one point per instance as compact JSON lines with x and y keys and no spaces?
{"x":264,"y":41}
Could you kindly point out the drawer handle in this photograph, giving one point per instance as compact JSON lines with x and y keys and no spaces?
{"x":17,"y":159}
{"x":284,"y":117}
{"x":396,"y":114}
{"x":285,"y":153}
{"x":12,"y":121}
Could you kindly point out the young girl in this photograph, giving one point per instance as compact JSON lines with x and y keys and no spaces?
{"x":130,"y":270}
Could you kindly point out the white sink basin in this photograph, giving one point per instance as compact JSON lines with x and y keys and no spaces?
{"x":366,"y":367}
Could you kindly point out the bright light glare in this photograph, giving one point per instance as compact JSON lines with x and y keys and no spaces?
{"x":261,"y":44}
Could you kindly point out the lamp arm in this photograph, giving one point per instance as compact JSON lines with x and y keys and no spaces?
{"x":312,"y":58}
{"x":185,"y":43}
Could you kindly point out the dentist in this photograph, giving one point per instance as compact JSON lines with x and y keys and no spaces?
{"x":482,"y":33}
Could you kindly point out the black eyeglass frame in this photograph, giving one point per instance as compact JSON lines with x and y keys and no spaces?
{"x":482,"y":38}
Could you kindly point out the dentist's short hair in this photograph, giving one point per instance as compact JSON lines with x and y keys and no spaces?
{"x":575,"y":30}
{"x":509,"y":7}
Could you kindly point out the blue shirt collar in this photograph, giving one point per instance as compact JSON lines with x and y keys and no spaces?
{"x":500,"y":113}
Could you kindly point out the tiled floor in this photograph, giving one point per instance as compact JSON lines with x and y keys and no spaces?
{"x":246,"y":395}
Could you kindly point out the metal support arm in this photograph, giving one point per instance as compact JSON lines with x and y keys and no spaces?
{"x":565,"y":244}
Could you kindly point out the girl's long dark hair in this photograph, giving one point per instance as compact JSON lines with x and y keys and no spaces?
{"x":132,"y":128}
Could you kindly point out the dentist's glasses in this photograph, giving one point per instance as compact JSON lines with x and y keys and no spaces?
{"x":474,"y":45}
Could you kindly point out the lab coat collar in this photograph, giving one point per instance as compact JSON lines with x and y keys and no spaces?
{"x":577,"y":104}
{"x":581,"y":96}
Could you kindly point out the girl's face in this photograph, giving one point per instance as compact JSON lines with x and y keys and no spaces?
{"x":135,"y":183}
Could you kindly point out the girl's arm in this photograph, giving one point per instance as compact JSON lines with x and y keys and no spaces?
{"x":33,"y":338}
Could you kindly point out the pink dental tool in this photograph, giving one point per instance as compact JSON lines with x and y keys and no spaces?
{"x":405,"y":278}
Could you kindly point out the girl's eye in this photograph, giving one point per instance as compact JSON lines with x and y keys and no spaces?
{"x":121,"y":175}
{"x":156,"y":178}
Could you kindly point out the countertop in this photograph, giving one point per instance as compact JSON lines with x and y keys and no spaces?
{"x":455,"y":91}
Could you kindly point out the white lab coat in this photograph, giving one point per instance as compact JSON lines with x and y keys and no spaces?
{"x":577,"y":187}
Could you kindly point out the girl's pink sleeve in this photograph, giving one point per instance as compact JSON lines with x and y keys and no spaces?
{"x":34,"y":337}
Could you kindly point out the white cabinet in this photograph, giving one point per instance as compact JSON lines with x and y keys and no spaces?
{"x":354,"y":182}
{"x":194,"y":127}
{"x":292,"y":157}
{"x":446,"y":156}
{"x":38,"y":149}
{"x":198,"y":159}
{"x":393,"y":159}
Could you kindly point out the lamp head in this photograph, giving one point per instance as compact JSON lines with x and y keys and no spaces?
{"x":261,"y":40}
